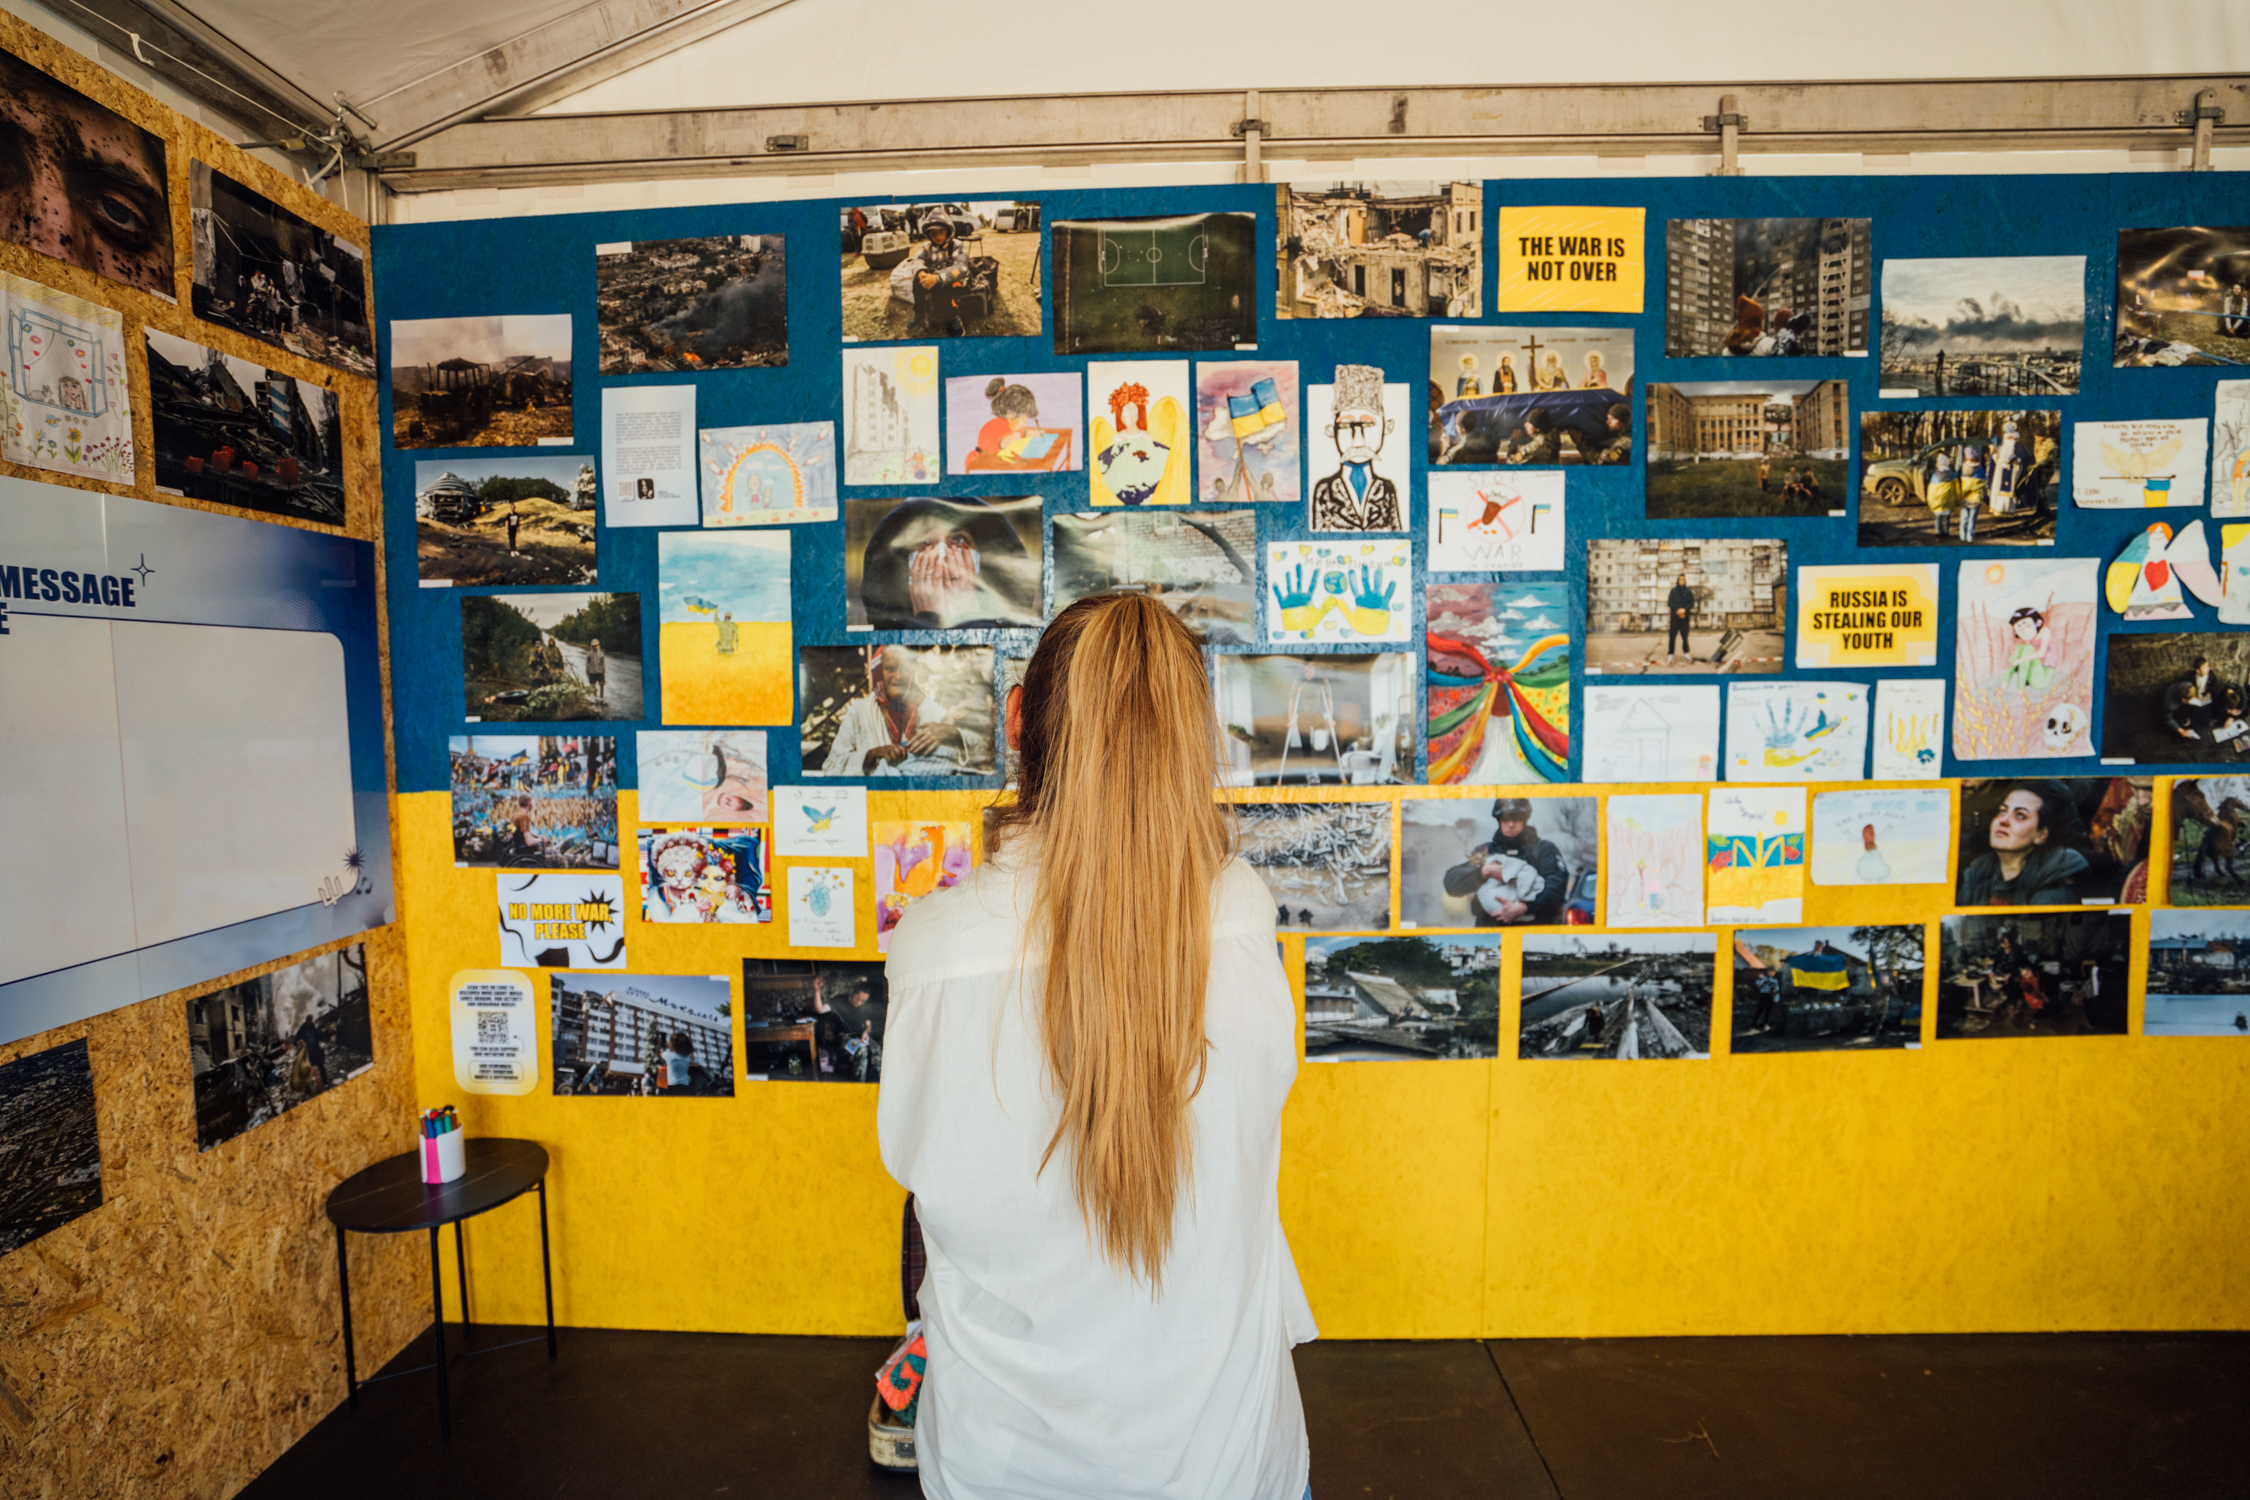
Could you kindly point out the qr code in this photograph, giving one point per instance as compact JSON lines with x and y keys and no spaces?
{"x":492,"y":1026}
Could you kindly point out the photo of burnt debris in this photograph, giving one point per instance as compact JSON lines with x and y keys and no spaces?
{"x":261,"y":270}
{"x":233,"y":432}
{"x":715,"y":303}
{"x":493,"y":382}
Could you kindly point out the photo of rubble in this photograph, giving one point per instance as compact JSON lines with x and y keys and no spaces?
{"x":528,"y":519}
{"x":1770,"y":288}
{"x":50,"y":1148}
{"x":261,"y":270}
{"x":493,"y":382}
{"x":1328,"y":864}
{"x":1399,"y":999}
{"x":716,"y":303}
{"x":234,"y":432}
{"x":1624,"y":996}
{"x":985,"y":279}
{"x":1379,"y":250}
{"x":262,"y":1047}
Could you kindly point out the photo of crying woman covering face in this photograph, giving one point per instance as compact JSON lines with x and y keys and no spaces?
{"x":951,"y":564}
{"x":82,"y":183}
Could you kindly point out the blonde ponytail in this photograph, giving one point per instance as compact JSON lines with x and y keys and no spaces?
{"x":1116,"y":773}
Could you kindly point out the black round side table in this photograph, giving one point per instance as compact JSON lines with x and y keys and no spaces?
{"x":391,"y":1198}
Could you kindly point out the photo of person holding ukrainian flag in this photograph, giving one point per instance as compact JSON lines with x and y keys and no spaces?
{"x":1827,"y":989}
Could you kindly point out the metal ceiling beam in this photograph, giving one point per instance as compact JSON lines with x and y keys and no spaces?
{"x":2022,"y":114}
{"x":204,"y":64}
{"x":564,"y":57}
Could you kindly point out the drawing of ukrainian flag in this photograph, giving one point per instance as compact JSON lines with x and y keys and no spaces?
{"x":1258,"y":411}
{"x":1819,"y":971}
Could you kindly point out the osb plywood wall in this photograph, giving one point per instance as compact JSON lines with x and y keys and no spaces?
{"x":177,"y":1339}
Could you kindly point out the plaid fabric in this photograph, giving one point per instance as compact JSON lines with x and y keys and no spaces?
{"x":911,"y":1263}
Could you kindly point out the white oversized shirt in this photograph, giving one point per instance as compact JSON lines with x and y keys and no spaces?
{"x":1053,"y":1376}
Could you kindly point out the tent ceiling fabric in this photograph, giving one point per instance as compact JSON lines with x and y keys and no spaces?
{"x":849,"y":50}
{"x":365,"y":51}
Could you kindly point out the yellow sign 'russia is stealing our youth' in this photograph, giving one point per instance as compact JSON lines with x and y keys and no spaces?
{"x":1571,"y":259}
{"x":1867,"y":616}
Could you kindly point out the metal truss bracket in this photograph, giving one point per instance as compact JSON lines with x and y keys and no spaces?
{"x":1729,"y":122}
{"x":1240,"y":127}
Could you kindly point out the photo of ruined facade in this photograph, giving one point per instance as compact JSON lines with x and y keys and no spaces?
{"x":1379,"y":249}
{"x":492,"y":382}
{"x":715,"y":303}
{"x":1768,"y":287}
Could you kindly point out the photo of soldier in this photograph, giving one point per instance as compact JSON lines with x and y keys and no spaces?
{"x":941,"y":270}
{"x":1513,"y":862}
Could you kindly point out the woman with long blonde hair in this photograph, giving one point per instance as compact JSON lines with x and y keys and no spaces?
{"x":1088,"y":1046}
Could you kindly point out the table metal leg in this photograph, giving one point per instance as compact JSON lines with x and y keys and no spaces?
{"x":437,"y":1328}
{"x":344,"y":1290}
{"x":461,"y":1264}
{"x":546,"y":1270}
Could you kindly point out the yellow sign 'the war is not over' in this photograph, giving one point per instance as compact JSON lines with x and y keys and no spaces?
{"x":1555,"y":259}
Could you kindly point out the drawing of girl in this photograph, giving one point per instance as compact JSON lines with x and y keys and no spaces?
{"x":2032,"y":665}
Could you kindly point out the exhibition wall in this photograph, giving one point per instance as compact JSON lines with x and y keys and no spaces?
{"x":168,"y":1279}
{"x":1768,"y":1174}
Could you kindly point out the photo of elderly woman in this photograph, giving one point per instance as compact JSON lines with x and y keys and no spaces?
{"x":942,"y":564}
{"x":2054,"y":842}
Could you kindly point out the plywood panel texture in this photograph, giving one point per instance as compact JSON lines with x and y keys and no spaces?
{"x":175,"y":1340}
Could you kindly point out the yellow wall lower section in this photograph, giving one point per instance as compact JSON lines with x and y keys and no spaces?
{"x":1976,"y":1185}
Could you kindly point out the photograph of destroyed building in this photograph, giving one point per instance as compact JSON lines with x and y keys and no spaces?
{"x":1379,"y":250}
{"x":716,"y":303}
{"x":262,"y":1047}
{"x":1394,"y":999}
{"x":1767,"y":287}
{"x":1630,"y":997}
{"x":522,"y":520}
{"x":496,"y":382}
{"x":233,"y":432}
{"x":261,"y":270}
{"x":882,"y":256}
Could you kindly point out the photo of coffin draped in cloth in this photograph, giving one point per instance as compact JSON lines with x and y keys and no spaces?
{"x":262,"y":270}
{"x":266,"y":1045}
{"x":2183,"y":295}
{"x":896,"y":710}
{"x":1627,"y":996}
{"x":813,"y":1020}
{"x":1401,"y":999}
{"x":2050,"y":974}
{"x":1315,"y":720}
{"x":1536,"y":397}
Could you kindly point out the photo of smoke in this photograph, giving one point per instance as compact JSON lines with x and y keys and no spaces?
{"x":1328,"y":864}
{"x":262,"y":1047}
{"x":1146,"y":286}
{"x":813,"y":1020}
{"x":2183,"y":296}
{"x":498,"y":382}
{"x":1989,"y":326}
{"x":530,"y":802}
{"x":2053,"y":974}
{"x":1769,"y":288}
{"x":50,"y":1148}
{"x":1624,"y":996}
{"x":1315,"y":720}
{"x":108,"y":174}
{"x":234,"y":432}
{"x":643,"y":1036}
{"x":1397,"y":999}
{"x":263,"y":271}
{"x":942,"y":564}
{"x":716,"y":303}
{"x":1201,"y":565}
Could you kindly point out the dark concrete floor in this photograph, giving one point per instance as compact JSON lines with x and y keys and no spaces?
{"x":2055,"y":1416}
